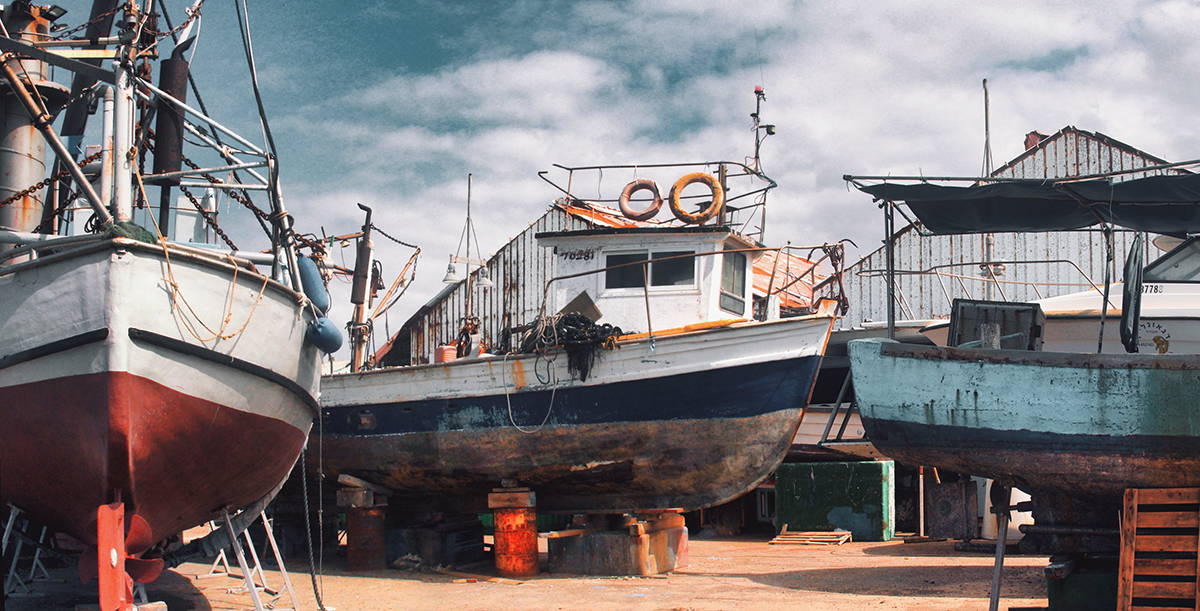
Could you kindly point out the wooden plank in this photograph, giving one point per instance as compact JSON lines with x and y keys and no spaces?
{"x":810,"y":538}
{"x":1128,"y":536}
{"x":700,"y":326}
{"x":1168,"y":496}
{"x":1158,"y":566}
{"x":1163,"y":589}
{"x":1168,"y":519}
{"x":1166,"y":543}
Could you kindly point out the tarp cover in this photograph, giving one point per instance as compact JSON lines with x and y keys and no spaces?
{"x":1158,"y":204}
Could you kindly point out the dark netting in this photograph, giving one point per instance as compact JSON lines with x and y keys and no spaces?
{"x":582,"y":339}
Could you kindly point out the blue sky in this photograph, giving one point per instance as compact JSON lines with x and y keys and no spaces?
{"x":392,"y":104}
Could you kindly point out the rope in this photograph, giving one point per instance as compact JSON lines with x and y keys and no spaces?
{"x":177,"y":294}
{"x":312,"y":571}
{"x":508,"y":401}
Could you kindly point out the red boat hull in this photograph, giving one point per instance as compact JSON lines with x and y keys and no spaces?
{"x":69,"y":444}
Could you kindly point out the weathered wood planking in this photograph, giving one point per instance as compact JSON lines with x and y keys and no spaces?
{"x":1155,"y":580}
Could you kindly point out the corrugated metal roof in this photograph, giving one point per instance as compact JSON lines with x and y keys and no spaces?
{"x":792,"y":272}
{"x":603,"y":216}
{"x":1076,"y":152}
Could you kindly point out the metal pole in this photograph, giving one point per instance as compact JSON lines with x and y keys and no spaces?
{"x":106,"y":149}
{"x":889,"y":229}
{"x":921,"y":502}
{"x":241,"y":558}
{"x":468,"y":312}
{"x":122,"y":143}
{"x":1001,"y":542}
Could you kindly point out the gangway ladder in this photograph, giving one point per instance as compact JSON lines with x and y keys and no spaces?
{"x":1160,"y":536}
{"x":253,"y":586}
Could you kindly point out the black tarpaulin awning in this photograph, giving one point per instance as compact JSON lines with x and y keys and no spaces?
{"x":1158,"y":204}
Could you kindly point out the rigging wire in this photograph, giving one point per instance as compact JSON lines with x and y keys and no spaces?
{"x":244,"y":29}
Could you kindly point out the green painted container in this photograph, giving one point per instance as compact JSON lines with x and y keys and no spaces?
{"x":828,"y":496}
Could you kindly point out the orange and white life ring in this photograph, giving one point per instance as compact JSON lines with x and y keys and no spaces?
{"x":641,"y":184}
{"x":718,"y":198}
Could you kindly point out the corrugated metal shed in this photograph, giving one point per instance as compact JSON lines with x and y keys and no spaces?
{"x":520,"y":271}
{"x":1069,"y":261}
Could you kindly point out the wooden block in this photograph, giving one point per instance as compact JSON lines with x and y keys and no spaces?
{"x":512,"y":500}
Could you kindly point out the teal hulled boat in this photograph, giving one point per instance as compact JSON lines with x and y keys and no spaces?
{"x":1089,"y":424}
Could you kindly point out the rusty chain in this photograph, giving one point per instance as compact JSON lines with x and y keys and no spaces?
{"x":192,"y":15}
{"x":266,"y":218}
{"x":65,"y":34}
{"x":212,"y":221}
{"x":60,"y":175}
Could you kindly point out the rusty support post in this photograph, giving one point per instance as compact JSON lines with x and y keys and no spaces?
{"x":516,"y":545}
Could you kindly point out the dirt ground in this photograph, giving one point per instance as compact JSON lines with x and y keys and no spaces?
{"x":725,"y":573}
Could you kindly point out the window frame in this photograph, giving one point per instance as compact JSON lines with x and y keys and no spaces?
{"x":722,"y":293}
{"x":649,"y":254}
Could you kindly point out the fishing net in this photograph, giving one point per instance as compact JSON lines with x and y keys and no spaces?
{"x":578,"y":335}
{"x":132,"y":231}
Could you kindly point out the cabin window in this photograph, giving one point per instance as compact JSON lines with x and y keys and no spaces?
{"x":1182,"y":264}
{"x":664,"y":271}
{"x":733,"y":282}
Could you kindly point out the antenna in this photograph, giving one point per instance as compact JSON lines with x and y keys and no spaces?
{"x":987,"y":134}
{"x":989,"y":241}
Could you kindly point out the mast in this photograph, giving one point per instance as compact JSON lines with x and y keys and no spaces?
{"x":989,"y":239}
{"x":359,"y":296}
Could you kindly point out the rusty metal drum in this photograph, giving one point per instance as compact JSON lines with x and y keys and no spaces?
{"x":365,"y":540}
{"x":516,"y":542}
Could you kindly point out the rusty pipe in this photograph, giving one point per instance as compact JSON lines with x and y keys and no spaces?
{"x":42,"y":121}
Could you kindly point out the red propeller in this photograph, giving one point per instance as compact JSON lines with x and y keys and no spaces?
{"x":138,"y":538}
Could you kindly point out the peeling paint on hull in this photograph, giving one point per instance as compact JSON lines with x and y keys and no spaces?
{"x":686,"y":440}
{"x":1090,"y":425}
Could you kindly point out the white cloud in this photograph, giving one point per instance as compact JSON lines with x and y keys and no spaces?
{"x":854,"y":87}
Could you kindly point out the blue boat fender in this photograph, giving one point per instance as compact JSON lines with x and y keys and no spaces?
{"x":325,"y":335}
{"x":313,"y":284}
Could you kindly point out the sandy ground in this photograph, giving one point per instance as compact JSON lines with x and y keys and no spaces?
{"x":730,"y":573}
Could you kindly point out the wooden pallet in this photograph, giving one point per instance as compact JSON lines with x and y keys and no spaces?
{"x":810,"y":538}
{"x":1160,"y":534}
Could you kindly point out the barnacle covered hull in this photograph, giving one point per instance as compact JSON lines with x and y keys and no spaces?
{"x":688,"y":421}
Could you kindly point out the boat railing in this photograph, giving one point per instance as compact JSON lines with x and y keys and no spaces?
{"x":990,"y":272}
{"x":726,"y":170}
{"x":32,"y":245}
